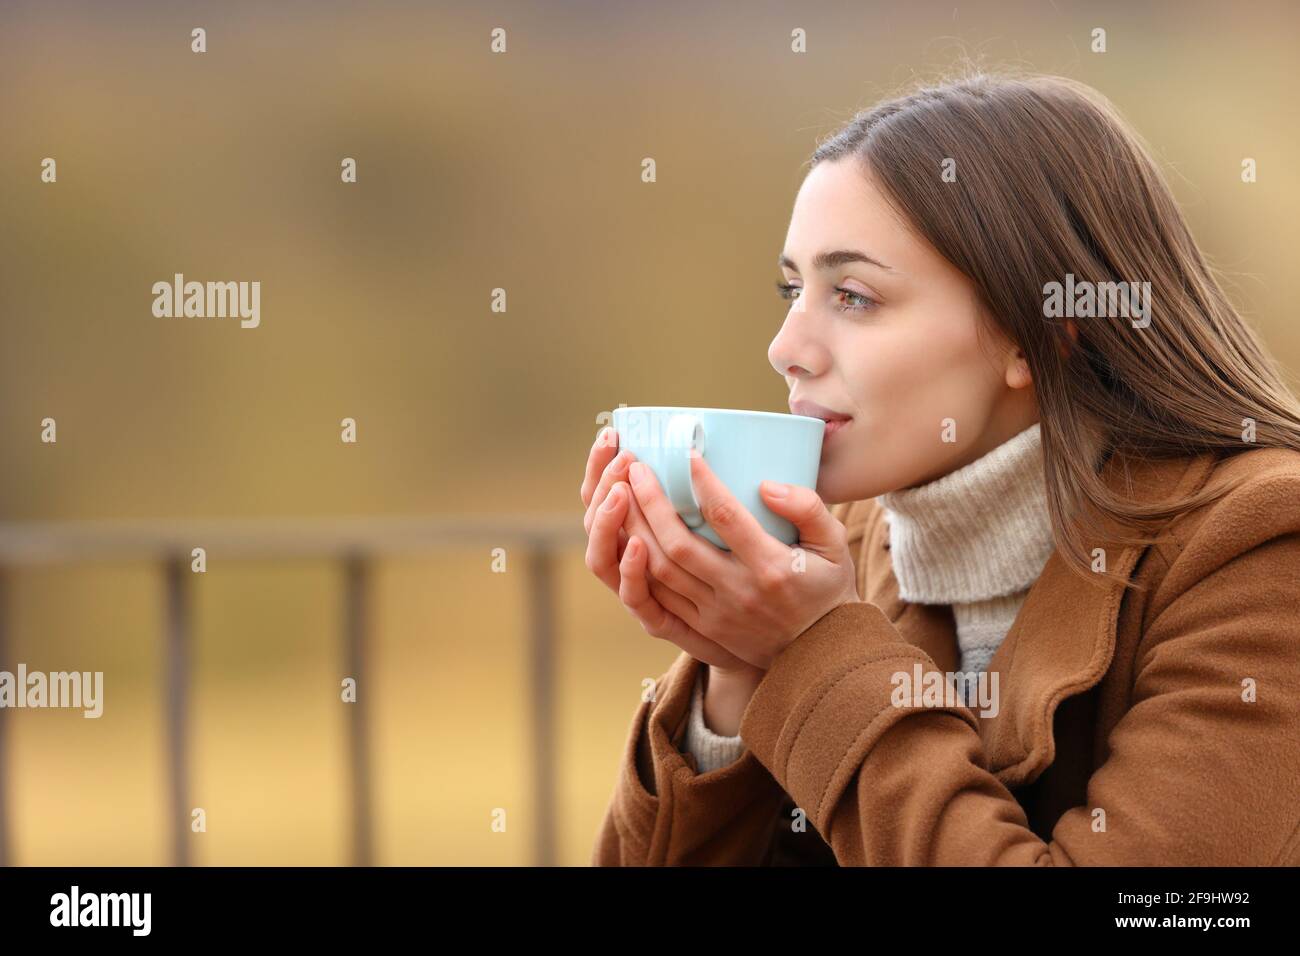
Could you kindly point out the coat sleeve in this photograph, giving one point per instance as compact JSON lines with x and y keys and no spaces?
{"x":1197,"y":774}
{"x":664,"y":813}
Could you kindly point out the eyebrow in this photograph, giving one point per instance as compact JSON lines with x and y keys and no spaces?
{"x":833,"y":258}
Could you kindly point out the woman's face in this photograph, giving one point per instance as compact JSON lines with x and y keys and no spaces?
{"x":883,"y":329}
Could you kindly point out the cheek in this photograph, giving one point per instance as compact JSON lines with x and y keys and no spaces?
{"x":916,"y":374}
{"x":907,"y":380}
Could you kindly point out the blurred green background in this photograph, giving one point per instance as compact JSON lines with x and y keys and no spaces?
{"x":476,"y":171}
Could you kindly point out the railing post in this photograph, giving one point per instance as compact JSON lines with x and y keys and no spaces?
{"x":177,"y":671}
{"x":6,"y":852}
{"x":541,"y":661}
{"x":355,"y":608}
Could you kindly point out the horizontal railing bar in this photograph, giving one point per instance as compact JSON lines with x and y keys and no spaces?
{"x":333,"y":537}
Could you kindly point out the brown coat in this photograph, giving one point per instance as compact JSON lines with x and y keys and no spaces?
{"x":1127,"y":733}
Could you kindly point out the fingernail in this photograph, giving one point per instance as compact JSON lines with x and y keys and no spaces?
{"x":637,"y":471}
{"x":777,"y":490}
{"x":612,"y":498}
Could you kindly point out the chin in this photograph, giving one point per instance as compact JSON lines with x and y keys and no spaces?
{"x":830,"y":490}
{"x":834,"y":488}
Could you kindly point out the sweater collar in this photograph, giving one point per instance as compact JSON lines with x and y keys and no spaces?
{"x":979,"y":532}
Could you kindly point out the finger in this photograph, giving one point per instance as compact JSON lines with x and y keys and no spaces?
{"x":597,"y":458}
{"x":674,"y":602}
{"x":603,"y":550}
{"x":748,"y":540}
{"x":661,"y":566}
{"x":602,"y":451}
{"x":635,"y":594}
{"x":615,"y":471}
{"x":690,"y":552}
{"x":819,"y":530}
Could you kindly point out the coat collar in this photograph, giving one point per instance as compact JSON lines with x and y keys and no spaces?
{"x":1063,"y":638}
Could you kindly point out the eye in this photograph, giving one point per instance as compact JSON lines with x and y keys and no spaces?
{"x":864,"y":303}
{"x":857,"y":302}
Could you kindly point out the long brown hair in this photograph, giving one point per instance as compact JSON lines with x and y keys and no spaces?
{"x":1046,"y":180}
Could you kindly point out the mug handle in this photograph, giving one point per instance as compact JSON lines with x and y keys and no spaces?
{"x":684,"y":433}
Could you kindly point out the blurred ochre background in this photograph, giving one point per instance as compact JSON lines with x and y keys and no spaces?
{"x":475,"y":171}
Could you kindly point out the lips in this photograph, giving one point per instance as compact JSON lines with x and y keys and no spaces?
{"x":835,"y":421}
{"x":803,"y":406}
{"x":834,"y":427}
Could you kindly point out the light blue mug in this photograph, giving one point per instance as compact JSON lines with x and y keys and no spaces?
{"x":742,"y":447}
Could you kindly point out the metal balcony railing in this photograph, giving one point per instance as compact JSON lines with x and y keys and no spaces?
{"x":354,"y":542}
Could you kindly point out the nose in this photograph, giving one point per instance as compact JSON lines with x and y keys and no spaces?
{"x":795,"y":352}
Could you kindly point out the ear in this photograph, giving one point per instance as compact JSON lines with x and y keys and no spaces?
{"x":1071,"y":330}
{"x":1018,"y":370}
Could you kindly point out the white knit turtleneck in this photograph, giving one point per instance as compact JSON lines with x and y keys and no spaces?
{"x":976,"y":539}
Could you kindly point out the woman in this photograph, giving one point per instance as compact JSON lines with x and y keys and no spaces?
{"x":1050,"y":617}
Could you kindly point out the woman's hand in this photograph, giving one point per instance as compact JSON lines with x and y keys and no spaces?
{"x":752,"y":601}
{"x":606,"y":494}
{"x":605,"y":467}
